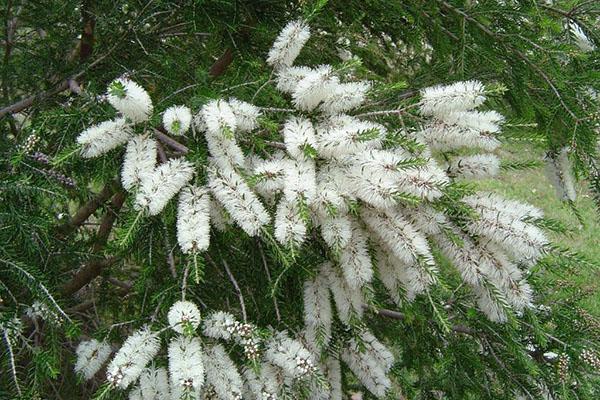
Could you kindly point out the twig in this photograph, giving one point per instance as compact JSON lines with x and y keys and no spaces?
{"x":162,"y":156}
{"x":170,"y":259}
{"x":219,"y":67}
{"x":237,"y":289}
{"x":86,"y":274}
{"x":266,"y":266}
{"x":399,"y":316}
{"x":88,"y":208}
{"x":11,"y":357}
{"x":166,"y":139}
{"x":275,"y":109}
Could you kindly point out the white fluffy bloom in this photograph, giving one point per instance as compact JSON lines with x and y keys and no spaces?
{"x":270,"y":176}
{"x":298,"y":133}
{"x":177,"y":119}
{"x":488,"y":305}
{"x":289,"y":355}
{"x":240,"y":202}
{"x":355,"y":260}
{"x":317,"y":311}
{"x":558,"y":170}
{"x":193,"y":215}
{"x":290,"y":228}
{"x":288,"y":44}
{"x":220,"y":325}
{"x":154,"y":384}
{"x":459,"y":96}
{"x":222,"y":374}
{"x":91,"y":355}
{"x":477,"y":166}
{"x":331,"y":368}
{"x":300,"y":181}
{"x":336,"y":231}
{"x":367,"y":369}
{"x":342,"y":135}
{"x":186,"y":366}
{"x":163,"y":183}
{"x":246,"y":115}
{"x":444,"y":137}
{"x":581,"y":39}
{"x":348,"y":302}
{"x":315,"y":88}
{"x":102,"y":138}
{"x":139,"y":161}
{"x":376,"y":349}
{"x":219,"y":117}
{"x":182,"y":313}
{"x":394,"y":276}
{"x":481,"y":121}
{"x":137,"y":351}
{"x":493,"y":202}
{"x":345,"y":97}
{"x":288,"y":78}
{"x":221,"y":124}
{"x":262,"y":387}
{"x":130,"y":99}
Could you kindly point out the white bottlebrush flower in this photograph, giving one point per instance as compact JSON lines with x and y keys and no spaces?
{"x":102,"y":138}
{"x":186,"y":366}
{"x":154,"y":384}
{"x":219,"y":218}
{"x":177,"y":119}
{"x":348,"y":302}
{"x":558,"y":171}
{"x":288,"y":44}
{"x":130,"y":99}
{"x":481,"y":121}
{"x":336,"y":231}
{"x":137,"y":351}
{"x":162,"y":184}
{"x":317,"y":311}
{"x":495,"y":203}
{"x":315,"y":88}
{"x":289,"y":355}
{"x":299,"y":137}
{"x":367,"y":369}
{"x":290,"y":227}
{"x":220,"y":325}
{"x":488,"y":305}
{"x":269,"y":176}
{"x":241,"y":203}
{"x":581,"y":39}
{"x":300,"y":182}
{"x":91,"y":355}
{"x":459,"y":96}
{"x":183,"y":313}
{"x":222,"y":374}
{"x":139,"y":161}
{"x":332,"y":371}
{"x":246,"y":115}
{"x":288,"y":78}
{"x":443,"y":137}
{"x":193,"y":216}
{"x":375,"y":348}
{"x":345,"y":97}
{"x":219,"y":118}
{"x":478,"y":166}
{"x":393,"y":273}
{"x":265,"y":386}
{"x":342,"y":135}
{"x":355,"y":261}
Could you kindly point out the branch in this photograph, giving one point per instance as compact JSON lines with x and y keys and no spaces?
{"x":399,"y":316}
{"x":88,"y":209}
{"x":219,"y":67}
{"x":161,"y":135}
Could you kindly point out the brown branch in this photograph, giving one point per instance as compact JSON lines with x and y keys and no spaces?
{"x":161,"y":135}
{"x":88,"y":209}
{"x":219,"y":67}
{"x":87,"y":36}
{"x":86,"y":274}
{"x":94,"y":268}
{"x":399,"y":316}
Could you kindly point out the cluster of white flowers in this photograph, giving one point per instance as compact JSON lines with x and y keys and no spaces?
{"x":137,"y":351}
{"x":289,"y":355}
{"x":264,"y":386}
{"x":91,"y":355}
{"x":581,"y":39}
{"x":183,"y":313}
{"x":186,"y":366}
{"x":343,"y":175}
{"x":105,"y":136}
